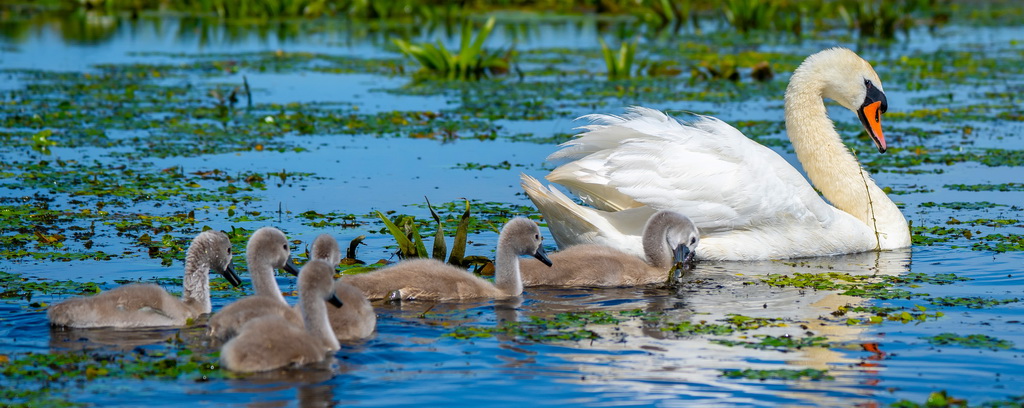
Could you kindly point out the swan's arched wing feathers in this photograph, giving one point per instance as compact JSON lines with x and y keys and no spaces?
{"x":707,"y":170}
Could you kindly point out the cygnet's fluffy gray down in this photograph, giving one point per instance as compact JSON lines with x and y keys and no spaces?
{"x":669,"y":237}
{"x":272,"y":342}
{"x":428,"y":279}
{"x":149,"y":305}
{"x":357,"y":319}
{"x":267,"y":250}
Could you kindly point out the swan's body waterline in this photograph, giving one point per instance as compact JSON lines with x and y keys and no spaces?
{"x":271,"y":342}
{"x":429,"y":279}
{"x":149,"y":305}
{"x":669,"y":238}
{"x":748,"y":202}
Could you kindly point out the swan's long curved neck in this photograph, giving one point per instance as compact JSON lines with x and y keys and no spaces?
{"x":196,"y":284}
{"x":506,"y":270}
{"x":314,"y":317}
{"x":263,"y":282}
{"x":830,"y":166}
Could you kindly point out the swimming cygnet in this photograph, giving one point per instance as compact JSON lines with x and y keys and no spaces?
{"x":357,"y":319}
{"x":149,"y":305}
{"x":266,"y":251}
{"x":429,"y":279}
{"x":271,"y":342}
{"x":668,"y":238}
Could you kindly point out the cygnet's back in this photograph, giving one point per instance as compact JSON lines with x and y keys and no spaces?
{"x":357,"y":319}
{"x":669,"y":237}
{"x":272,"y":342}
{"x":267,"y":250}
{"x":429,"y":279}
{"x":149,"y":305}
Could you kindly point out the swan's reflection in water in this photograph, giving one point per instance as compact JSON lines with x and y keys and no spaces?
{"x":643,"y":359}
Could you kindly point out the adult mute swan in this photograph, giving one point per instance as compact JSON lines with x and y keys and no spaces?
{"x":747,"y":201}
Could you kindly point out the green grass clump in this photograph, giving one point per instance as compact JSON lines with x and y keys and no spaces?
{"x":619,"y":63}
{"x":470,"y":62}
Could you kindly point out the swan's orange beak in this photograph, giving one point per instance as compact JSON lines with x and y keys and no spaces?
{"x":870,"y":114}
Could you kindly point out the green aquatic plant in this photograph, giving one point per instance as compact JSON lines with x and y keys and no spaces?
{"x":782,"y":343}
{"x":972,"y":302}
{"x":619,"y":63}
{"x":470,"y":62}
{"x":779,"y":374}
{"x":750,"y":15}
{"x":406,"y":232}
{"x":14,"y":286}
{"x":970,"y":341}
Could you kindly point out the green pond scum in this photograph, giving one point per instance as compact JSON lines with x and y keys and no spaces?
{"x":122,"y":160}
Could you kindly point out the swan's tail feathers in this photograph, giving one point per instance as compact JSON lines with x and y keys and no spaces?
{"x":566,"y":220}
{"x":592,"y":189}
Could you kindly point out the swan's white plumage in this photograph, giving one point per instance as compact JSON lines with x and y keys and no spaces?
{"x":747,"y":201}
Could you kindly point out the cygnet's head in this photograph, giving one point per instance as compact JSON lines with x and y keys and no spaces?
{"x":316,"y":280}
{"x":269,"y":246}
{"x":522,"y":236}
{"x":854,"y":84}
{"x":216,"y":246}
{"x":681,"y":235}
{"x":325,"y":248}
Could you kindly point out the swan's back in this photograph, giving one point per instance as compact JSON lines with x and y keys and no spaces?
{"x":134,"y":305}
{"x":269,"y":343}
{"x":590,"y":265}
{"x":356,"y":319}
{"x":228,"y":321}
{"x":423,"y":279}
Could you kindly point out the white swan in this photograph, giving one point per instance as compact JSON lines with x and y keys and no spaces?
{"x":266,"y":251}
{"x":271,"y":342}
{"x":430,"y":279}
{"x":669,"y":238}
{"x":149,"y":305}
{"x":747,"y":201}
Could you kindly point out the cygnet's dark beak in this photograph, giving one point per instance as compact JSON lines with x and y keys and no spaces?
{"x":232,"y":277}
{"x":334,"y":300}
{"x":683,"y":255}
{"x":290,"y":267}
{"x":542,"y":256}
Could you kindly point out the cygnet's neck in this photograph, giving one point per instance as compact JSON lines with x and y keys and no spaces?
{"x":656,"y":248}
{"x":314,"y":317}
{"x":196,"y":283}
{"x":263,"y":282}
{"x":831,"y":167}
{"x":506,"y":269}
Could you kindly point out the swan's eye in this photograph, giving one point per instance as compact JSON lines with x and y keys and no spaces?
{"x":536,"y":236}
{"x":285,"y":246}
{"x":693,"y":241}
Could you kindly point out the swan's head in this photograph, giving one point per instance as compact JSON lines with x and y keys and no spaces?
{"x":216,"y":246}
{"x":522,"y":236}
{"x":325,"y":248}
{"x":681,"y":235}
{"x":316,"y":280}
{"x":850,"y":81}
{"x":269,"y":246}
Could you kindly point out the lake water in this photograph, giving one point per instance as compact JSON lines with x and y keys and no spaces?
{"x":419,"y":354}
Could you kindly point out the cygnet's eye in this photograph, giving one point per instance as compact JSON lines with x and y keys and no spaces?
{"x":536,"y":236}
{"x":693,"y":240}
{"x":285,"y":246}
